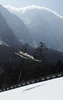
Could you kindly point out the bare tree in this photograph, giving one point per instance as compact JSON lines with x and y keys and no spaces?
{"x":21,"y":69}
{"x":40,"y":53}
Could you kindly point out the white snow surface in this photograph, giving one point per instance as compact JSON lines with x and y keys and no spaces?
{"x":48,"y":90}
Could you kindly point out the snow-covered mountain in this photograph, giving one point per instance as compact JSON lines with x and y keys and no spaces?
{"x":44,"y":24}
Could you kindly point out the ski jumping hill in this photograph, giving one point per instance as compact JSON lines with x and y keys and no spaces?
{"x":49,"y":90}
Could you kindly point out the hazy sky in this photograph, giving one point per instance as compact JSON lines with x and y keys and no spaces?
{"x":56,"y":5}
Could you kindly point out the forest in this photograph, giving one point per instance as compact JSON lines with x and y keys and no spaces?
{"x":14,"y":69}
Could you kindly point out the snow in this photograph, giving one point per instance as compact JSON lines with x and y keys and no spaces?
{"x":3,"y":43}
{"x":48,"y":90}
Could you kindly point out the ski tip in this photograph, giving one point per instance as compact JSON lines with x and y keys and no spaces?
{"x":38,"y":60}
{"x":16,"y":53}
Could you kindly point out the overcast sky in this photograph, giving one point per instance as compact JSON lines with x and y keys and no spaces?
{"x":56,"y":5}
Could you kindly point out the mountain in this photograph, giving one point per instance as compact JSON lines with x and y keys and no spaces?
{"x":44,"y":25}
{"x":6,"y":34}
{"x":16,"y":25}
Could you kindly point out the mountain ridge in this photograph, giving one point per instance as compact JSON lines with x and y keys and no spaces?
{"x":24,"y":9}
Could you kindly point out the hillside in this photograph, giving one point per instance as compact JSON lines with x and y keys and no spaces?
{"x":6,"y":34}
{"x":17,"y":25}
{"x":44,"y":25}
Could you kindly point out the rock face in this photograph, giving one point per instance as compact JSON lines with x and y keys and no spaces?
{"x":6,"y":34}
{"x":17,"y":25}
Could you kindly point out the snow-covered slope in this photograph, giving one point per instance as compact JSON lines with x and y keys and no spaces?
{"x":49,"y":90}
